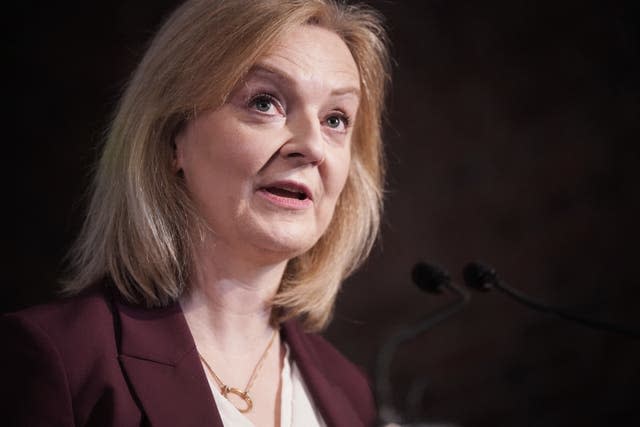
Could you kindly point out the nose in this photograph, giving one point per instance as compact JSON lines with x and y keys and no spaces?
{"x":305,"y":143}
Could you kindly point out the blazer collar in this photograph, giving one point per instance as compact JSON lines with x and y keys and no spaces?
{"x":159,"y":357}
{"x":329,"y":397}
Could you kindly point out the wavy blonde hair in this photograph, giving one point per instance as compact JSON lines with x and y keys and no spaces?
{"x":139,"y":229}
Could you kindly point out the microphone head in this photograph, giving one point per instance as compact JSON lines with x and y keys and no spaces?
{"x":430,"y":278}
{"x":479,"y":276}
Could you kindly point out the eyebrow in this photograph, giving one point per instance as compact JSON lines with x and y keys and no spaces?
{"x":285,"y":78}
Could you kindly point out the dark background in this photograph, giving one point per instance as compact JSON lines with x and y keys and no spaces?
{"x":512,"y":137}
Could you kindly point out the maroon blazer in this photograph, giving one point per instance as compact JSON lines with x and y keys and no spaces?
{"x":96,"y":361}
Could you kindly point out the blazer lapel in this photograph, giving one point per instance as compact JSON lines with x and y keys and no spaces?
{"x":160,"y":360}
{"x":330,"y":399}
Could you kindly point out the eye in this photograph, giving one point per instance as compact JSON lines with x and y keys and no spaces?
{"x":264,"y":103}
{"x":337,"y":121}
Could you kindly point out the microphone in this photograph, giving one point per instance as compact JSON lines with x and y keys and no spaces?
{"x":483,"y":278}
{"x":431,"y":279}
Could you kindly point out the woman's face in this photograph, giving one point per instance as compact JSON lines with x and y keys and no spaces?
{"x":265,"y":169}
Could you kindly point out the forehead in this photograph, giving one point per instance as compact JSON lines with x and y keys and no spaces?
{"x":313,"y":56}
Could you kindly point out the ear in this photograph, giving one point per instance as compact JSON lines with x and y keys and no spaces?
{"x":179,"y":143}
{"x":175,"y":165}
{"x":177,"y":150}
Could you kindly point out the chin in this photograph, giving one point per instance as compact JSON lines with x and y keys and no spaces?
{"x":286,"y":244}
{"x":288,"y":249}
{"x":278,"y":237}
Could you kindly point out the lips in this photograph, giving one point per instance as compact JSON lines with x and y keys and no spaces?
{"x":288,"y":189}
{"x":286,"y":193}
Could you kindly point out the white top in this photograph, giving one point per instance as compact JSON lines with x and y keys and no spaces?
{"x":296,"y":408}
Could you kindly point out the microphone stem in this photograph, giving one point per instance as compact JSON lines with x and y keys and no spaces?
{"x":538,"y":306}
{"x":388,"y":413}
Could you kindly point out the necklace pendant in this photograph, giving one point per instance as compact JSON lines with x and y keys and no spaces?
{"x":225,"y":391}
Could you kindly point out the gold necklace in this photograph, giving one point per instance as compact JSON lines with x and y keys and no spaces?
{"x":225,"y":390}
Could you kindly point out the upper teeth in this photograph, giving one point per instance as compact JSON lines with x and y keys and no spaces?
{"x":291,"y":189}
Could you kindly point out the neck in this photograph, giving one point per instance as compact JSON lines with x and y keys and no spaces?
{"x":229,"y":294}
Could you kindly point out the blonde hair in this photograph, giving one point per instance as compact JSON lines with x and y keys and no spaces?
{"x":139,"y":229}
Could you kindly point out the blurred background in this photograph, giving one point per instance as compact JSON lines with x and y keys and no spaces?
{"x":512,"y":136}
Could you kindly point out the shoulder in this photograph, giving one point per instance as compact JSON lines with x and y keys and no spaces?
{"x":61,"y":364}
{"x":94,"y":304}
{"x":75,"y":333}
{"x":84,"y":319}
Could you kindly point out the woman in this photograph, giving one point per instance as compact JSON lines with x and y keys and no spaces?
{"x":239,"y":184}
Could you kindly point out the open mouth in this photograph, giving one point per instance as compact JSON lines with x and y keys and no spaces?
{"x":288,"y":193}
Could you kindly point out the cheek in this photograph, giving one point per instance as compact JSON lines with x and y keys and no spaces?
{"x":242,"y":150}
{"x":340,"y":174}
{"x":218,"y":151}
{"x":223,"y":148}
